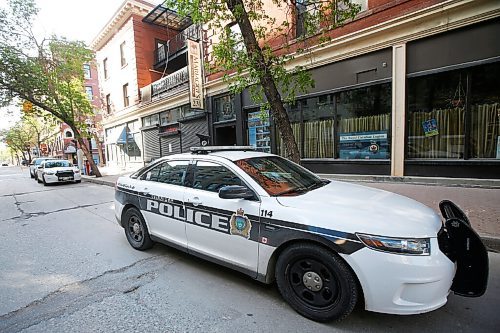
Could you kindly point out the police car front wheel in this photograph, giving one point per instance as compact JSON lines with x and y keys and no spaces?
{"x":316,"y":282}
{"x":136,"y":230}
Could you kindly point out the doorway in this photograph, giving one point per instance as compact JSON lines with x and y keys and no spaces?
{"x":225,"y":136}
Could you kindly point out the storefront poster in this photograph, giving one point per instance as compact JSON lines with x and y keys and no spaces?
{"x":430,"y":127}
{"x":259,"y":132}
{"x":364,"y":145}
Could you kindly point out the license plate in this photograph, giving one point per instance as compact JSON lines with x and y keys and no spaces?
{"x":65,"y":178}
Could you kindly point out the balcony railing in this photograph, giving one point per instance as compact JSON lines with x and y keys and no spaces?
{"x":172,"y":47}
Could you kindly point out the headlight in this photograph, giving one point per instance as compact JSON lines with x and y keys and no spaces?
{"x":413,"y":246}
{"x":50,"y":172}
{"x":77,"y":171}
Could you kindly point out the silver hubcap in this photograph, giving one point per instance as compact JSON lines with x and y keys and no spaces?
{"x":312,"y":281}
{"x":136,"y":228}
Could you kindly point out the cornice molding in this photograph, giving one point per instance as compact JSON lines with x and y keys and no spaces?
{"x":121,"y":16}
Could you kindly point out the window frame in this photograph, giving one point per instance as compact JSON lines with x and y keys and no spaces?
{"x":108,"y":103}
{"x":126,"y":99}
{"x":105,"y":68}
{"x":123,"y":58}
{"x":87,"y":72}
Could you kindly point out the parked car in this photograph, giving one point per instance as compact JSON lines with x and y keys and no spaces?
{"x":327,"y":244}
{"x":56,"y":171}
{"x":35,"y":163}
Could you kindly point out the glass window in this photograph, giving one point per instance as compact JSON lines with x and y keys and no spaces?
{"x":259,"y":133}
{"x":436,"y":111}
{"x":484,"y":140}
{"x":105,"y":67}
{"x":364,"y":120}
{"x":187,"y":112}
{"x":146,"y":121}
{"x":318,"y":114}
{"x":164,"y":118}
{"x":125,"y":95}
{"x":89,"y":92}
{"x":86,"y":71}
{"x":169,"y":172}
{"x":108,"y":103}
{"x":212,"y":177}
{"x":123,"y":54}
{"x":224,"y":108}
{"x":279,"y":176}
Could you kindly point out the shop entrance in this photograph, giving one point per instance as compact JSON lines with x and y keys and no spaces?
{"x":225,"y":136}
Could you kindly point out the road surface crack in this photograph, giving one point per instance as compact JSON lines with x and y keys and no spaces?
{"x":76,"y":296}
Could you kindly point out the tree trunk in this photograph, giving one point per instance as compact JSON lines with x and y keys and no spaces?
{"x":99,"y":149}
{"x":278,"y":111}
{"x":88,"y":154}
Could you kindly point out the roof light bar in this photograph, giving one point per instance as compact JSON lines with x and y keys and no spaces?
{"x":211,"y":149}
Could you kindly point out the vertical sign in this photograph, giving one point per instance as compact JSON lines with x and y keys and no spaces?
{"x":195,"y":75}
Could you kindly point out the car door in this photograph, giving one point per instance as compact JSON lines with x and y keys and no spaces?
{"x":226,"y":230}
{"x":161,"y":189}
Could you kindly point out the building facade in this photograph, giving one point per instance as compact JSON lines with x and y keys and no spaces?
{"x":142,"y":54}
{"x":408,"y":88}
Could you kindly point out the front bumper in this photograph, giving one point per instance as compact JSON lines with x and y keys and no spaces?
{"x":55,"y":179}
{"x":403,"y":284}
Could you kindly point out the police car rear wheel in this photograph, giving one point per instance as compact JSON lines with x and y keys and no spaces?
{"x":136,"y":230}
{"x":316,"y":282}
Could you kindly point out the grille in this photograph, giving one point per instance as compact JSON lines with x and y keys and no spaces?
{"x":64,"y":174}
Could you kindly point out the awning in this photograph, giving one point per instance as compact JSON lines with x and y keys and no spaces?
{"x":167,"y":18}
{"x":118,"y":136}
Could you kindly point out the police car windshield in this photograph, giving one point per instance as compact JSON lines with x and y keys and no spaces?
{"x":279,"y":176}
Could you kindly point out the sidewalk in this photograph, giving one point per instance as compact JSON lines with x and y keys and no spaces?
{"x":478,"y":198}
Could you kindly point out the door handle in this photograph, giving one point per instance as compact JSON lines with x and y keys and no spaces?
{"x":194,"y":201}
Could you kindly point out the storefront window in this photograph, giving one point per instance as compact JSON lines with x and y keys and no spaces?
{"x":294,"y":116}
{"x":363,"y":120}
{"x":318,"y":115}
{"x":132,"y":149}
{"x":484,"y":140}
{"x":437,"y":114}
{"x":224,"y":108}
{"x":352,"y":124}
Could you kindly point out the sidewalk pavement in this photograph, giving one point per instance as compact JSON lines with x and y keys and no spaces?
{"x":478,"y":198}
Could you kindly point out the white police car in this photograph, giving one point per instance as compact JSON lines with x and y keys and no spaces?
{"x":327,"y":244}
{"x":57,"y":171}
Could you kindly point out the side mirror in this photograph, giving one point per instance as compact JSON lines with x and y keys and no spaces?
{"x":236,"y":192}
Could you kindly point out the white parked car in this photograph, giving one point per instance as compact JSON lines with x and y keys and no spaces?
{"x":35,"y":163}
{"x":327,"y":244}
{"x":56,"y":171}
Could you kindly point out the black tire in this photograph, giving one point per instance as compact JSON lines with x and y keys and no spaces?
{"x":36,"y":177}
{"x":32,"y":175}
{"x":302,"y":268}
{"x":78,"y":181}
{"x":44,"y":182}
{"x":38,"y":180}
{"x":136,"y":230}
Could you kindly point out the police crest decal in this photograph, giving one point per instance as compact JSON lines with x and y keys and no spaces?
{"x":240,"y":224}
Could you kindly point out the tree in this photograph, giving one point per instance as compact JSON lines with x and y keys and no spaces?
{"x":47,"y":73}
{"x":41,"y":125}
{"x":19,"y":138}
{"x":269,"y":46}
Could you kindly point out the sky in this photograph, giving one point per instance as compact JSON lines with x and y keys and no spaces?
{"x":74,"y":19}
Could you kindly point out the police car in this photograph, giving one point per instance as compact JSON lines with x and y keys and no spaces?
{"x":327,"y":244}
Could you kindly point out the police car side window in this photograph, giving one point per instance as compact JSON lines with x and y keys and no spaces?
{"x":168,"y":172}
{"x":211,"y":177}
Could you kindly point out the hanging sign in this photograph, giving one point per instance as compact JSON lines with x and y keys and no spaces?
{"x":195,"y":75}
{"x":430,"y":127}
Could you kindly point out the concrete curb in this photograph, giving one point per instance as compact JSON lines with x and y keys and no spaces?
{"x":99,"y":181}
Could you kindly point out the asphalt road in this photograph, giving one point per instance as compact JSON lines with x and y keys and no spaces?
{"x":65,"y":266}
